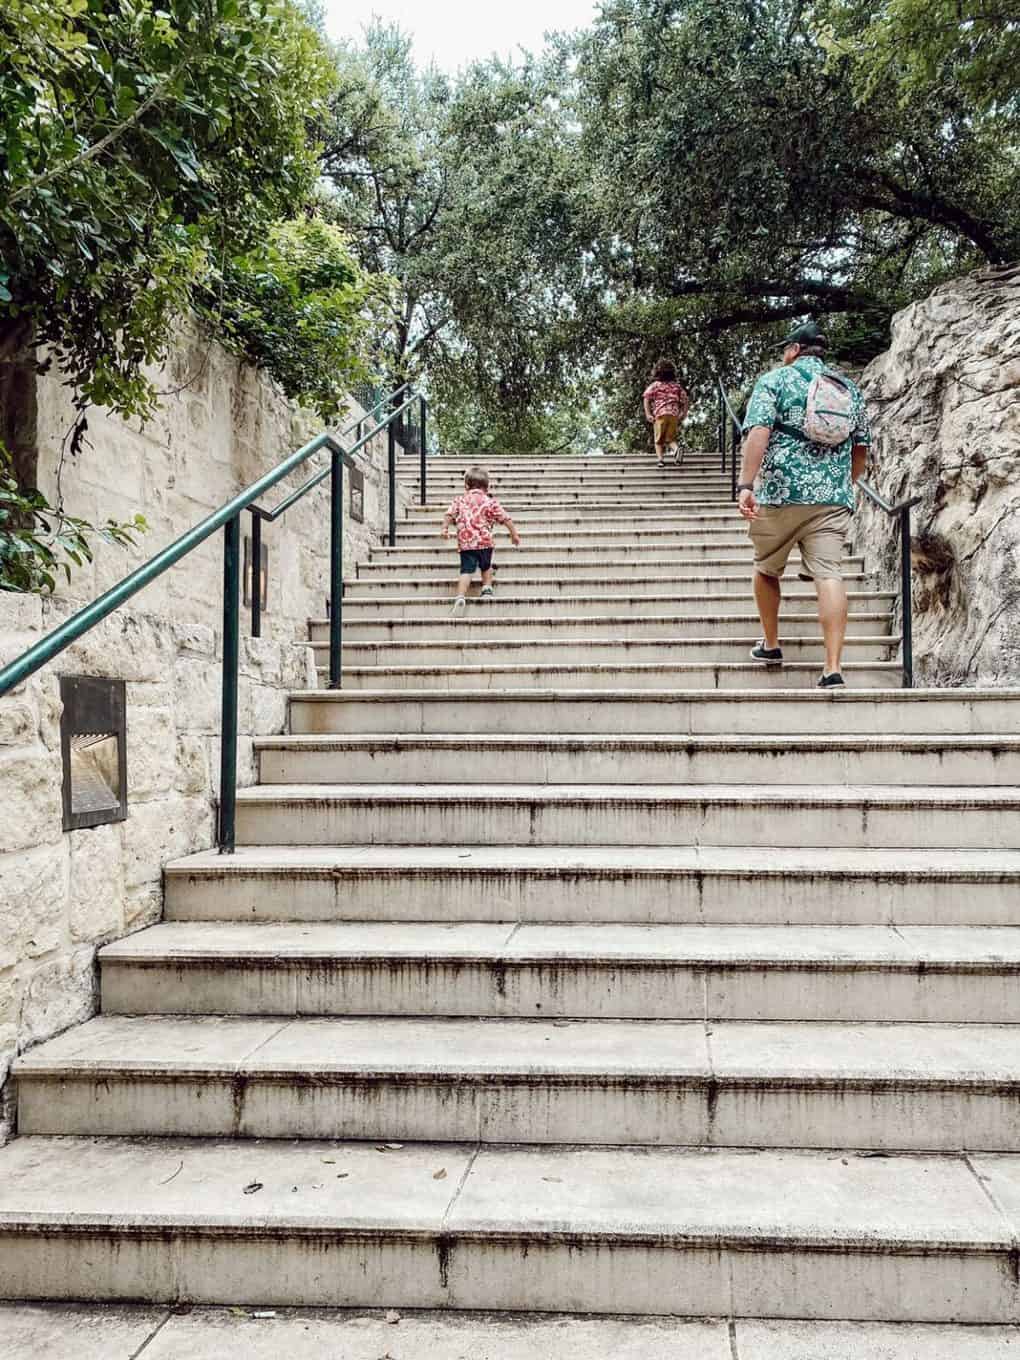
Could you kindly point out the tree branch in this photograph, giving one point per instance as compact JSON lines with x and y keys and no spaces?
{"x":90,"y":153}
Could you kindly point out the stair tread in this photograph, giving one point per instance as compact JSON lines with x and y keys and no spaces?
{"x":808,"y":1052}
{"x":808,"y":795}
{"x":887,"y":864}
{"x":835,"y":946}
{"x":647,"y":1195}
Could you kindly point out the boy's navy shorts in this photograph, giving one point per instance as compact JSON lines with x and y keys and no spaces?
{"x":475,"y":559}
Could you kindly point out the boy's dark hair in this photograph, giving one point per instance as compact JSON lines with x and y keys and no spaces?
{"x":664,"y":371}
{"x":476,"y":479}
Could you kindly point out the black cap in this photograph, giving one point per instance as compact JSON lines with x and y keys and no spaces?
{"x":808,"y":333}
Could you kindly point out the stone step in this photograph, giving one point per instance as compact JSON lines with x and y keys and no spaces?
{"x":633,"y":885}
{"x":580,"y":565}
{"x":582,"y":652}
{"x":625,"y":1230}
{"x":746,"y":815}
{"x":679,"y":518}
{"x":668,"y":507}
{"x":593,"y":675}
{"x":515,"y":583}
{"x":508,"y":759}
{"x":695,"y":713}
{"x":488,"y":621}
{"x":682,"y":547}
{"x":611,"y":540}
{"x":850,"y":974}
{"x":659,"y":1083}
{"x":650,"y":479}
{"x":518,"y":603}
{"x":94,"y":1331}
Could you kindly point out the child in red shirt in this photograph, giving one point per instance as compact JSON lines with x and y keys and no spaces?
{"x":666,"y":406}
{"x":474,"y":513}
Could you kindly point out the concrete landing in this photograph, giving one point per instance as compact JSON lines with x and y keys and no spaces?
{"x":59,"y":1332}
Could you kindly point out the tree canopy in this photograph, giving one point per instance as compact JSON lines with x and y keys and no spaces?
{"x":683,"y":175}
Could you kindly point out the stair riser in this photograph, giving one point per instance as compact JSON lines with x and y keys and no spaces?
{"x":729,"y":586}
{"x":582,"y":652}
{"x":518,"y":565}
{"x":626,"y":897}
{"x":527,"y":1272}
{"x":589,"y":1109}
{"x":791,"y":825}
{"x":608,"y":540}
{"x":709,"y":514}
{"x":430,"y":618}
{"x":658,"y":715}
{"x":562,"y":676}
{"x":682,"y":547}
{"x":484,"y":764}
{"x":494,"y":623}
{"x":572,"y":989}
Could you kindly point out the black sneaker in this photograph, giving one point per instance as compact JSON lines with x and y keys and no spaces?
{"x":772,"y":656}
{"x":833,"y":681}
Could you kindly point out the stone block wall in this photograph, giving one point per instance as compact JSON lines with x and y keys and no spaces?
{"x":220,"y":426}
{"x":945,"y":407}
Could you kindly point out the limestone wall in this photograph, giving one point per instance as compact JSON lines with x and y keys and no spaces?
{"x":220,"y":426}
{"x":945,"y":403}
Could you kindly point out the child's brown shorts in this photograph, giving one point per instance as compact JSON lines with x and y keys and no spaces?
{"x":665,"y":429}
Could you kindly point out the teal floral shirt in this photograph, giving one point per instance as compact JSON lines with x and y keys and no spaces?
{"x":794,"y":471}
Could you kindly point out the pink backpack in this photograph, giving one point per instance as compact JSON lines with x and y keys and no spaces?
{"x":829,"y":418}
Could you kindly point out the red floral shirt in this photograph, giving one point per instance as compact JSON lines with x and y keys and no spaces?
{"x":667,"y":399}
{"x":475,"y":513}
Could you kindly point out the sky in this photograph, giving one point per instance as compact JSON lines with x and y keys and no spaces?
{"x":454,"y":32}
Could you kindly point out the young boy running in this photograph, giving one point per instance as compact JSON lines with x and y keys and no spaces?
{"x":474,"y":513}
{"x":666,"y":406}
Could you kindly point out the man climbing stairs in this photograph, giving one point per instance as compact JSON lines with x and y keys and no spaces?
{"x":569,"y":960}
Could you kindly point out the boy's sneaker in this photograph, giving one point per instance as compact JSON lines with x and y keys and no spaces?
{"x":833,"y":681}
{"x":459,"y":606}
{"x":772,"y":656}
{"x":487,"y":593}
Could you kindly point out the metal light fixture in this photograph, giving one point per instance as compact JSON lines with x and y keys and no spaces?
{"x":93,"y":749}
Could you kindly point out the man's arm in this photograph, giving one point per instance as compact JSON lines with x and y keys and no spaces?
{"x":500,"y":516}
{"x":755,"y":444}
{"x":858,"y":461}
{"x":448,"y":519}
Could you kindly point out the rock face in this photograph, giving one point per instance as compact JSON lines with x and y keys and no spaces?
{"x":945,"y":405}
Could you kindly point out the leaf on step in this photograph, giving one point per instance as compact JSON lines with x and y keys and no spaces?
{"x":439,"y":1175}
{"x":393,"y":1317}
{"x":388,"y":1147}
{"x":253,"y":1188}
{"x":342,"y":1175}
{"x":265,"y":1313}
{"x":329,"y":1161}
{"x":553,"y":1180}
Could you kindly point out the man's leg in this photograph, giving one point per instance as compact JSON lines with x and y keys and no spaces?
{"x":832,"y":611}
{"x":767,"y":596}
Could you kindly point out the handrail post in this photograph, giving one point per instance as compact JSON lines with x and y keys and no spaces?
{"x":721,"y":431}
{"x":908,"y":602}
{"x":734,"y":435}
{"x":336,"y":566}
{"x":228,"y":711}
{"x":255,"y":584}
{"x":421,"y":451}
{"x":391,"y":464}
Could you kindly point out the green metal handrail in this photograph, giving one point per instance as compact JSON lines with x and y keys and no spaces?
{"x":228,"y":518}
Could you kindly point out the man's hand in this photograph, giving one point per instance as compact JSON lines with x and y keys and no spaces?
{"x":747,"y":505}
{"x":515,"y":539}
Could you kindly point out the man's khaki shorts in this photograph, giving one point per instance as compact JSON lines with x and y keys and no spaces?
{"x":665,"y":430}
{"x":819,"y":530}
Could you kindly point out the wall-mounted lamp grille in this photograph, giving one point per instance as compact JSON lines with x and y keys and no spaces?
{"x":357,"y":484}
{"x":263,"y":573}
{"x":93,"y":747}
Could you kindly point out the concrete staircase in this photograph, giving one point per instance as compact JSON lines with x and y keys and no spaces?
{"x":568,"y":961}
